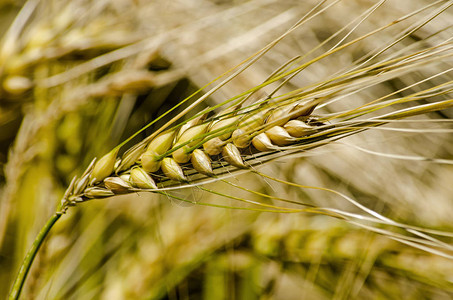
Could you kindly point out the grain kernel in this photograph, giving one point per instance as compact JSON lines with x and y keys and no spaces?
{"x":241,"y":139}
{"x":280,"y":115}
{"x":117,"y":185}
{"x":172,"y":169}
{"x":297,"y":128}
{"x":279,"y":136}
{"x":142,"y":179}
{"x":232,"y":155}
{"x":262,"y":142}
{"x":303,"y":109}
{"x":161,"y":143}
{"x":191,"y":135}
{"x":104,"y":167}
{"x":201,"y":162}
{"x":213,"y":146}
{"x":150,"y":162}
{"x":96,"y":192}
{"x":224,"y":125}
{"x":130,"y":157}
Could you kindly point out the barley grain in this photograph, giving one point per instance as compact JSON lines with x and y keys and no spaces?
{"x":173,"y":170}
{"x":201,"y":162}
{"x":117,"y":185}
{"x":141,"y":179}
{"x":104,"y":167}
{"x":233,"y":156}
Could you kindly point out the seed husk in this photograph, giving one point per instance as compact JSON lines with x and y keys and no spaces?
{"x":298,"y":128}
{"x":173,"y":170}
{"x":104,"y":167}
{"x":232,"y":155}
{"x":213,"y":146}
{"x":241,"y":139}
{"x":262,"y":142}
{"x":303,"y":109}
{"x":141,"y":179}
{"x":279,"y":136}
{"x":181,"y":155}
{"x":192,"y":134}
{"x":280,"y":115}
{"x":225,"y":125}
{"x":117,"y":185}
{"x":161,"y":143}
{"x":194,"y":122}
{"x":126,"y":177}
{"x":81,"y":184}
{"x":96,"y":192}
{"x":201,"y":162}
{"x":130,"y":157}
{"x":150,"y":162}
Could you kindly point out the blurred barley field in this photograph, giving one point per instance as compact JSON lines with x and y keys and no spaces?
{"x":79,"y":77}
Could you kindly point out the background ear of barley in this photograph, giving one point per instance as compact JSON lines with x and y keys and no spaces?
{"x":82,"y":76}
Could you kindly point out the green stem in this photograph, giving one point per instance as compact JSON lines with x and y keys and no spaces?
{"x":26,"y":265}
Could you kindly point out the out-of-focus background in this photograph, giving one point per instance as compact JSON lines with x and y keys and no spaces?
{"x":79,"y":77}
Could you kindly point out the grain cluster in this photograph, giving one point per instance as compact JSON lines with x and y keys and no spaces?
{"x":221,"y":140}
